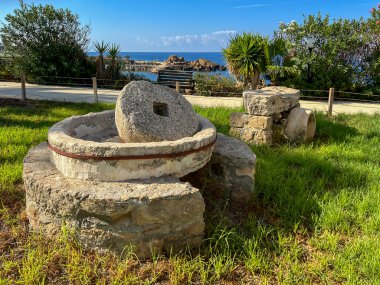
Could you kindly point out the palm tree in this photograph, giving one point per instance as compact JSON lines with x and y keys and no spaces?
{"x":100,"y":66}
{"x":113,"y":68}
{"x":247,"y":55}
{"x":282,"y":62}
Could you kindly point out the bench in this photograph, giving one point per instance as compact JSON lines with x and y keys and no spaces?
{"x":171,"y":77}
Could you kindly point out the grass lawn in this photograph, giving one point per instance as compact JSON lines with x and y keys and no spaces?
{"x":314,"y":218}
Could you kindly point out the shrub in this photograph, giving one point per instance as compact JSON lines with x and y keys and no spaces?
{"x":343,"y":55}
{"x":45,"y":41}
{"x":217,"y":85}
{"x":123,"y":80}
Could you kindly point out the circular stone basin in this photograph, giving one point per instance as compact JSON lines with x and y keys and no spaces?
{"x":88,"y":147}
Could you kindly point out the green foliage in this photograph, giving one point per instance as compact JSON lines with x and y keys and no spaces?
{"x":282,"y":64}
{"x":123,"y":79}
{"x":45,"y":41}
{"x":101,"y":48}
{"x":115,"y":63}
{"x":216,"y":85}
{"x":343,"y":55}
{"x":247,"y":55}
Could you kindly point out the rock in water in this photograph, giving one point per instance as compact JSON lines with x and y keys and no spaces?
{"x":147,"y":112}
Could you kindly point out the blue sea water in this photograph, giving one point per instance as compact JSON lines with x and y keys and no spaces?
{"x":216,"y":57}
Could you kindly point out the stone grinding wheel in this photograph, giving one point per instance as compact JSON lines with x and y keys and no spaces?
{"x":147,"y":112}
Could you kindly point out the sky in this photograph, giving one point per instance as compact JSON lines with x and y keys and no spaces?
{"x":191,"y":25}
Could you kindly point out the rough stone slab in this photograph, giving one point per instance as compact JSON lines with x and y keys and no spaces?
{"x":230,"y":172}
{"x":238,"y":120}
{"x":254,"y":136}
{"x":154,"y":214}
{"x":270,"y":100}
{"x":147,"y":112}
{"x":259,"y":122}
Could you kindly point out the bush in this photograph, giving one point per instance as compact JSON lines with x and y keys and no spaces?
{"x":57,"y":45}
{"x":217,"y":85}
{"x":123,"y":80}
{"x":343,"y":55}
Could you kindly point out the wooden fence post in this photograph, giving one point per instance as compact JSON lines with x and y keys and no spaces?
{"x":95,"y":86}
{"x":177,"y":87}
{"x":331,"y":101}
{"x":23,"y":88}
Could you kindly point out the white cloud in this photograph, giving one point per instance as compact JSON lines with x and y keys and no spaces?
{"x":220,"y":37}
{"x":144,"y":41}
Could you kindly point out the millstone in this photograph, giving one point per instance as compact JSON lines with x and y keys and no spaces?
{"x":147,"y":112}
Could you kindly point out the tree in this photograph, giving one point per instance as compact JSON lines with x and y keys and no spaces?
{"x":283,"y":63}
{"x":101,"y":48}
{"x":375,"y":57}
{"x":44,"y":40}
{"x":341,"y":56}
{"x":114,"y":66}
{"x":247,"y":56}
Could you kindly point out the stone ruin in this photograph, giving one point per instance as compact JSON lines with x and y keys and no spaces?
{"x":121,"y":178}
{"x":273,"y":115}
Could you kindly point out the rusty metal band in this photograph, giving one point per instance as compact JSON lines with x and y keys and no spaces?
{"x":130,"y":157}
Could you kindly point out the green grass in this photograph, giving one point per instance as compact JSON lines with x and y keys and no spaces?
{"x":314,"y":217}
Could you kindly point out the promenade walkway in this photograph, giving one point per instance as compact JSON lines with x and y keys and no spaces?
{"x":78,"y":94}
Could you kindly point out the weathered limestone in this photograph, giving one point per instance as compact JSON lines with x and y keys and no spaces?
{"x":152,"y":215}
{"x":270,"y":100}
{"x":230,"y":172}
{"x":268,"y":118}
{"x":251,"y":128}
{"x":76,"y":140}
{"x":147,"y":112}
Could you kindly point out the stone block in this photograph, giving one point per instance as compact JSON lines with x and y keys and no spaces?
{"x":262,"y":137}
{"x":150,"y":215}
{"x":236,"y":132}
{"x":270,"y":100}
{"x":259,"y":122}
{"x":230,"y":172}
{"x":238,"y":120}
{"x":254,"y":136}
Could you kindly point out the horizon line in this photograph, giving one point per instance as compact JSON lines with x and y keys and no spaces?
{"x":166,"y":51}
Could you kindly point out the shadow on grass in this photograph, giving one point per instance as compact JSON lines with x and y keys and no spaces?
{"x":290,"y":184}
{"x":333,"y":130}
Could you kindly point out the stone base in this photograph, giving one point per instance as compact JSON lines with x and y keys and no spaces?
{"x":152,"y":215}
{"x":230,"y":172}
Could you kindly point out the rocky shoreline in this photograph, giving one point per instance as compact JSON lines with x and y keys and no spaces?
{"x":172,"y":63}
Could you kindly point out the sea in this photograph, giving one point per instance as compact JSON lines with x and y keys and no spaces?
{"x":216,"y":57}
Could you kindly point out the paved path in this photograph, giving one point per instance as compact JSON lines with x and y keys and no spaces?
{"x":77,"y":94}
